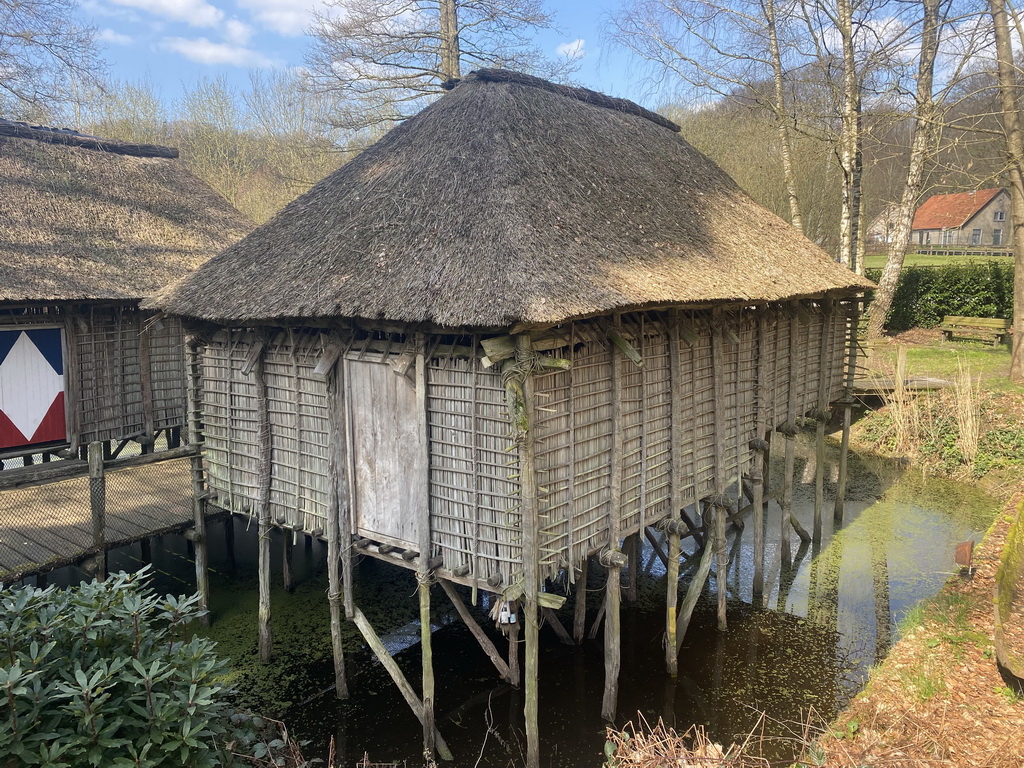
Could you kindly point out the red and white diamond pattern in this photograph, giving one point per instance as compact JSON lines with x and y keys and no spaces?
{"x":29,"y":391}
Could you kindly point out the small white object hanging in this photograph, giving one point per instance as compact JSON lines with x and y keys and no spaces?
{"x":506,"y":615}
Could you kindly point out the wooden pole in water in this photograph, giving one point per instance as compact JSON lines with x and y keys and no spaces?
{"x":476,"y":631}
{"x":719,"y":503}
{"x":194,"y":421}
{"x":372,"y":640}
{"x":847,"y":403}
{"x":757,"y":484}
{"x":531,"y":544}
{"x":787,"y":494}
{"x":287,"y":572}
{"x":98,"y":506}
{"x":613,"y":559}
{"x":424,"y":575}
{"x":722,"y":567}
{"x":819,"y":477}
{"x":515,"y":674}
{"x":579,"y":623}
{"x":822,"y":414}
{"x":263,"y":505}
{"x":633,"y":558}
{"x":672,"y":527}
{"x":336,"y":512}
{"x":696,"y":584}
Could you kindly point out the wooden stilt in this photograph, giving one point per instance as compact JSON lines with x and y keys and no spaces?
{"x":336,"y":514}
{"x":671,"y":601}
{"x":722,"y":566}
{"x":612,"y":558}
{"x":757,"y":486}
{"x":287,"y":571}
{"x":146,"y":550}
{"x":263,"y":505}
{"x":514,"y":670}
{"x":556,"y":624}
{"x":414,"y":702}
{"x":844,"y":452}
{"x":579,"y":623}
{"x":787,"y":502}
{"x":633,"y":555}
{"x":695,"y":588}
{"x":596,"y":626}
{"x":819,"y":477}
{"x":656,"y":547}
{"x":194,"y":420}
{"x":475,"y":630}
{"x":532,"y":683}
{"x":424,"y":574}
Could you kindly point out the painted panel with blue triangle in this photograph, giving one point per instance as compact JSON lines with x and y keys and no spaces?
{"x":31,"y":387}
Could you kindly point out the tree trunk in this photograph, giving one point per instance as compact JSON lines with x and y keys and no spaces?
{"x":849,"y":139}
{"x":785,"y":143}
{"x":924,"y":112}
{"x":1009,"y":101}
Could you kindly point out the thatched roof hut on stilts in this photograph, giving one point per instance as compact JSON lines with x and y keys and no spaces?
{"x":527,"y":324}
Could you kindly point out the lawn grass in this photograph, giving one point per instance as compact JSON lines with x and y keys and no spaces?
{"x":942,"y":360}
{"x":877,"y":260}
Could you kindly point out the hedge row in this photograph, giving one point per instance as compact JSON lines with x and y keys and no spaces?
{"x":926,"y":294}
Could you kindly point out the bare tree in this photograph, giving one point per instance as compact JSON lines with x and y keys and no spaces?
{"x":387,"y":58}
{"x":43,"y":50}
{"x":732,"y":49}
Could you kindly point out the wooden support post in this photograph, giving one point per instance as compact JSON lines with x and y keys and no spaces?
{"x":556,"y":624}
{"x":844,"y":453}
{"x":722,"y":566}
{"x":757,"y":483}
{"x":515,"y":675}
{"x":696,"y":587}
{"x":633,"y":555}
{"x":337,"y":515}
{"x":424,"y":574}
{"x":195,"y":434}
{"x":475,"y":630}
{"x":579,"y":623}
{"x":531,"y":550}
{"x":671,"y":601}
{"x":264,"y":527}
{"x":287,"y":572}
{"x":787,"y":502}
{"x":819,"y":477}
{"x":656,"y":547}
{"x":414,"y":702}
{"x":146,"y":387}
{"x":612,"y":557}
{"x":98,"y":506}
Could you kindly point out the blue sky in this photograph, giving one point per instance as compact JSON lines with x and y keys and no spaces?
{"x":172,"y":43}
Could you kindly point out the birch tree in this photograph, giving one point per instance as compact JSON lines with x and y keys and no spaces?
{"x":1009,"y":98}
{"x":388,"y":59}
{"x":923,"y":130}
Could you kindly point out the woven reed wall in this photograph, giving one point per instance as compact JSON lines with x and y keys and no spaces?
{"x":474,"y":488}
{"x":770,"y":372}
{"x":167,"y":367}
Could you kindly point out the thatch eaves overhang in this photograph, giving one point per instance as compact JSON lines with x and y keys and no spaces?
{"x":513,"y":200}
{"x":85,"y":219}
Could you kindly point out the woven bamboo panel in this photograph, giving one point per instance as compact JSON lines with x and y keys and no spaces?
{"x":299,"y":435}
{"x":474,"y":488}
{"x":229,"y":422}
{"x":109,"y":385}
{"x":647,"y":423}
{"x":167,"y":363}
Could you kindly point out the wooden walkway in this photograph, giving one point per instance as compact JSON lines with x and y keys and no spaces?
{"x":883,"y":385}
{"x":49,"y":525}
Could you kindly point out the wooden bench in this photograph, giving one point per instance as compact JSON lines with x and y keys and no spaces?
{"x":991,"y":329}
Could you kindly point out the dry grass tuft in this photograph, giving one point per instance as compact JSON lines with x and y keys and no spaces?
{"x":641,"y":746}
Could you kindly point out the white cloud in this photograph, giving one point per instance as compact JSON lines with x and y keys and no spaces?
{"x":286,"y":17}
{"x":196,"y":13}
{"x":572,"y":50}
{"x":114,"y":38}
{"x":205,"y":51}
{"x":237,"y":32}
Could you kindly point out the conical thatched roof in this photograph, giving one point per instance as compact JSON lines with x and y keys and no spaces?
{"x":82,"y":218}
{"x":513,"y":200}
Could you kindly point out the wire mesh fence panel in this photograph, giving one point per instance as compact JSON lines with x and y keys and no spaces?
{"x":47,"y":525}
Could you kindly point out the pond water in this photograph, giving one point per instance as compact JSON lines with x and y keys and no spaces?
{"x":806,"y":646}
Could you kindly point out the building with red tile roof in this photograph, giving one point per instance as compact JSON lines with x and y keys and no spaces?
{"x":978,"y":218}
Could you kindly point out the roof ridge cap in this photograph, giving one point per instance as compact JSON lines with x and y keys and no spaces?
{"x":70,"y":138}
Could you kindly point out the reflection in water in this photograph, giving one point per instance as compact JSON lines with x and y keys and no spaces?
{"x":835,"y":612}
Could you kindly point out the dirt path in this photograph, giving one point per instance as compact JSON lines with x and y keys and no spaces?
{"x":938,"y":699}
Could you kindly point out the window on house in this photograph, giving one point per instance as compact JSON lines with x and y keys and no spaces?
{"x":927,"y":237}
{"x":947,"y":236}
{"x":976,"y":236}
{"x":999,"y":216}
{"x":997,"y":237}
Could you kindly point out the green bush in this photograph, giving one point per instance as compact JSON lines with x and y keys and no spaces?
{"x":926,"y":294}
{"x":105,"y":674}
